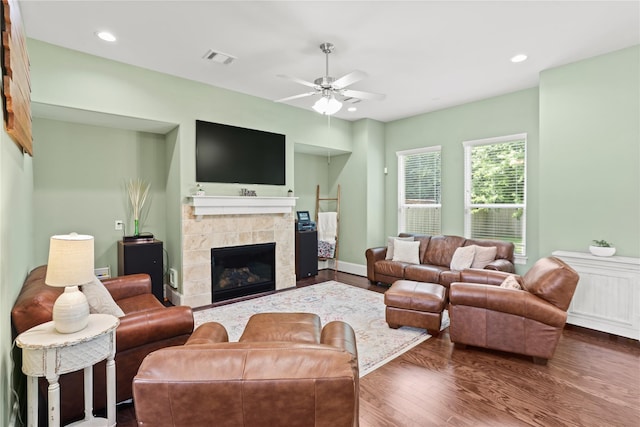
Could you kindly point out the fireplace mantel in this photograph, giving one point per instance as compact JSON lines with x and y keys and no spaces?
{"x":240,"y":205}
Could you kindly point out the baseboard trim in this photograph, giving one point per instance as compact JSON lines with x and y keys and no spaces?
{"x":351,"y":268}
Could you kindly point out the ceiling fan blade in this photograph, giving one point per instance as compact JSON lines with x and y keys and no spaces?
{"x":289,"y":98}
{"x":349,"y":79}
{"x":297,"y":80}
{"x":362,"y":95}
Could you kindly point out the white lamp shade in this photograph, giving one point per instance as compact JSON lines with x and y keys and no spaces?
{"x":70,"y":264}
{"x":327,"y":105}
{"x":70,"y":260}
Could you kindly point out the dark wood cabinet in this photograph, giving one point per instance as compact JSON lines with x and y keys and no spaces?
{"x":143,"y":257}
{"x":306,"y":254}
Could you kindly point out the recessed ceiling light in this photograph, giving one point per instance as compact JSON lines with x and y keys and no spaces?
{"x":352,"y":109}
{"x":519,"y":58}
{"x":106,"y":36}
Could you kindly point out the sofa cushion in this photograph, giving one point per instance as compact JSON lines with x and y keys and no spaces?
{"x":463,"y":257}
{"x":504,"y":249}
{"x":406,"y":252}
{"x":484,"y":255}
{"x":510,"y":282}
{"x":390,"y":247}
{"x":424,"y":273}
{"x":139,"y":303}
{"x":100,"y":300}
{"x":441,"y":249}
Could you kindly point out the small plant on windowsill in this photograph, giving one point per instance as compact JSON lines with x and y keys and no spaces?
{"x":602,"y":248}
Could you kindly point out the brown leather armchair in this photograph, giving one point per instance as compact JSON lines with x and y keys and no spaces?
{"x":289,"y":379}
{"x":527,"y":321}
{"x":146,"y":326}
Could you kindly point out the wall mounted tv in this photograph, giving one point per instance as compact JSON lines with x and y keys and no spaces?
{"x":231,"y":154}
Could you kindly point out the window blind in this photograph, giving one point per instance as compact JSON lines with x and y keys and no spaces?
{"x":495,"y":190}
{"x":419,"y":190}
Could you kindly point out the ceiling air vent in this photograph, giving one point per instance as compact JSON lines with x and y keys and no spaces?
{"x":218,"y":57}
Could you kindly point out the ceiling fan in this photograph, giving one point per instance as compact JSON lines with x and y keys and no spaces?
{"x":330,"y":88}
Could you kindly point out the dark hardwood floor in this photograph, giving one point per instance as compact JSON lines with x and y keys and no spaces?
{"x":592,"y":380}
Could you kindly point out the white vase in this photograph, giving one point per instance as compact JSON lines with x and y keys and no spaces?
{"x":602,"y":251}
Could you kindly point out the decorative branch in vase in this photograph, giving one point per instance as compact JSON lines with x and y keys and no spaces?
{"x":138,"y":190}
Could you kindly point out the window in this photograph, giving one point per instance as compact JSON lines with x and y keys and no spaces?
{"x":419,"y":202}
{"x":495,"y":190}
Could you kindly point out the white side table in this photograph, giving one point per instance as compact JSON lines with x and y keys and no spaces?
{"x":48,"y":353}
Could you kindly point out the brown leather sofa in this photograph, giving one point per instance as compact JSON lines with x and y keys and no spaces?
{"x":435,"y":255}
{"x":146,"y":326}
{"x":527,"y":321}
{"x":296,"y":376}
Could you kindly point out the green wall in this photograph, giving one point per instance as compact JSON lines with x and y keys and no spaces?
{"x":310,"y":171}
{"x":360,"y":177}
{"x":80,"y":172}
{"x":590,"y":154}
{"x":16,"y":256}
{"x":502,"y":115}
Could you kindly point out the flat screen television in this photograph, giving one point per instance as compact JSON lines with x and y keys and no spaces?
{"x":230,"y":154}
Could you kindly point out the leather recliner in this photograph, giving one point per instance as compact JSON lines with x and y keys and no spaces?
{"x":527,"y":321}
{"x":146,"y":326}
{"x":280,"y":381}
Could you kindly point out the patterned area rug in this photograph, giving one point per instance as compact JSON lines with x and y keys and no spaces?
{"x":362,"y":309}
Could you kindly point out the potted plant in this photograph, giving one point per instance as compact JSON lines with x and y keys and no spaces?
{"x":602,"y":248}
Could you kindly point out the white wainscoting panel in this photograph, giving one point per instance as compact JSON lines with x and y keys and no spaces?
{"x":608,"y":294}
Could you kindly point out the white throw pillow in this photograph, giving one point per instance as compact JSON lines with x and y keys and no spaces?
{"x":405,"y":251}
{"x":510,"y":283}
{"x":390,"y":240}
{"x":484,"y":255}
{"x":463,"y":257}
{"x":100,"y":300}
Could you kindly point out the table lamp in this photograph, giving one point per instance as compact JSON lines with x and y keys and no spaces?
{"x":70,"y":265}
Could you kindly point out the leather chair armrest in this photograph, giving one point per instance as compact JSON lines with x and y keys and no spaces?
{"x":448,"y":277}
{"x":485,"y":277}
{"x":511,"y":301}
{"x":373,"y":255}
{"x":128,"y":286}
{"x":208,"y":333}
{"x":501,"y":265}
{"x":339,"y":334}
{"x":137,"y":329}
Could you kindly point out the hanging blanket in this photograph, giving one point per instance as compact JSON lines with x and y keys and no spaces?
{"x":327,"y":233}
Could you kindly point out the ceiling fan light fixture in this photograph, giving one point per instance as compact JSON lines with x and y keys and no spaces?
{"x":327,"y":105}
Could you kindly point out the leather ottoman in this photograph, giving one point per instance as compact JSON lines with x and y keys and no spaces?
{"x":416,"y":304}
{"x":289,"y":327}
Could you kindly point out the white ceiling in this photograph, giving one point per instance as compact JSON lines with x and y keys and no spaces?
{"x":424,"y":55}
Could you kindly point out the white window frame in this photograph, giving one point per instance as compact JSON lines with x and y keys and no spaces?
{"x":401,"y":155}
{"x":468,"y":206}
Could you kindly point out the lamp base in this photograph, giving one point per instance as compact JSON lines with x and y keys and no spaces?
{"x":71,"y":311}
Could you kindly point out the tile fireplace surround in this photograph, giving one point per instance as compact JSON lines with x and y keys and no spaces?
{"x":214,"y":222}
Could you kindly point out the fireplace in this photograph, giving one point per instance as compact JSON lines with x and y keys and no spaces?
{"x":238,"y":271}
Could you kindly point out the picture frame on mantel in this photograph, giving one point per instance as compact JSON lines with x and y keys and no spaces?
{"x":16,"y":86}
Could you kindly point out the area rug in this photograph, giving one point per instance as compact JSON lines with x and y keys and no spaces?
{"x":362,"y":309}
